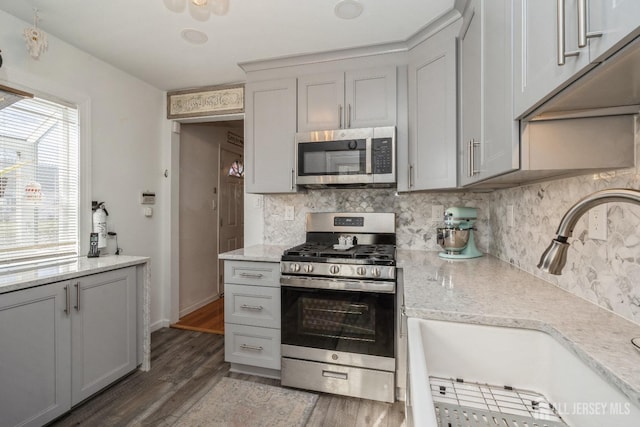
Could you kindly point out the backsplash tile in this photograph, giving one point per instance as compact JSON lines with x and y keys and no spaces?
{"x":606,"y":272}
{"x":415,"y":227}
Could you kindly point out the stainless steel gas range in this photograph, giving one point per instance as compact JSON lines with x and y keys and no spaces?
{"x":338,"y":306}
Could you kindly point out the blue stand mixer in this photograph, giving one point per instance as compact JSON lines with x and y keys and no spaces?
{"x":456,"y":237}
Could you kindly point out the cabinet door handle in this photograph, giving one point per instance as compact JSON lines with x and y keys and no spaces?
{"x":348,"y":115}
{"x":369,"y":156}
{"x":77,"y":306}
{"x":562,"y":54}
{"x":337,"y":375}
{"x":339,"y":116}
{"x":252,"y":307}
{"x":251,"y":347}
{"x":471,"y":161}
{"x":410,"y":176}
{"x":583,"y":34}
{"x":67,"y":299}
{"x":251,"y":275}
{"x":469,"y":157}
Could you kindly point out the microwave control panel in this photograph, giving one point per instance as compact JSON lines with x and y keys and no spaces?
{"x":382,"y":155}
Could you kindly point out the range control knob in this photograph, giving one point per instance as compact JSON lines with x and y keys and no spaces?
{"x":308,"y":268}
{"x":375,"y":272}
{"x":361,"y":271}
{"x":334,"y":269}
{"x":294,"y":267}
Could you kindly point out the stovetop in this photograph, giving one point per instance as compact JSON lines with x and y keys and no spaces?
{"x":374,"y":254}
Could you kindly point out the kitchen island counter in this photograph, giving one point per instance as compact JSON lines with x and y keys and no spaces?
{"x":489,"y":291}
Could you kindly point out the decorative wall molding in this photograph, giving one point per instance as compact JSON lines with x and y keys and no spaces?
{"x":207,"y":101}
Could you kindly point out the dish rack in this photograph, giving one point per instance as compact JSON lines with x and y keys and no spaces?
{"x":459,"y":403}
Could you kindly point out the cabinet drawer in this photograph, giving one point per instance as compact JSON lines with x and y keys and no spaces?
{"x":252,"y":273}
{"x":251,"y":345}
{"x":252,"y":305}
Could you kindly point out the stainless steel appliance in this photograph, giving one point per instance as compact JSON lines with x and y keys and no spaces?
{"x":355,"y":157}
{"x":338,"y":306}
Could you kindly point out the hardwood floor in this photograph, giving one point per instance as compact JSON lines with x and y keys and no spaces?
{"x":209,"y":318}
{"x":184,"y":366}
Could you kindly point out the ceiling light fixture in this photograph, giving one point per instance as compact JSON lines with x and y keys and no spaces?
{"x":200,"y":10}
{"x":348,"y":9}
{"x":36,"y":38}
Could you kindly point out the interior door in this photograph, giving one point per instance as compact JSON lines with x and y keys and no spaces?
{"x":231,"y":203}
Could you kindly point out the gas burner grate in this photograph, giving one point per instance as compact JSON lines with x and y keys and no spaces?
{"x":460,"y":404}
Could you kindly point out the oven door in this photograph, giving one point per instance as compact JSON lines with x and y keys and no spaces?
{"x":338,"y":320}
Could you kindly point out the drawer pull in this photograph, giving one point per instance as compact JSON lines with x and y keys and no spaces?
{"x":336,"y":375}
{"x":251,"y":347}
{"x":252,"y":307}
{"x":252,"y":275}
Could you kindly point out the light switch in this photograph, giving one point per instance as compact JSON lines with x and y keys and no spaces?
{"x":148,"y":212}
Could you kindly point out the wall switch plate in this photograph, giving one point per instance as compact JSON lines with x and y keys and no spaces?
{"x":257,"y":201}
{"x":289,"y":213}
{"x":598,"y":222}
{"x":437,"y":212}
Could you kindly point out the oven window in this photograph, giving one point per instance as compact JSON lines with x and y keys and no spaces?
{"x":337,"y":319}
{"x":354,"y":322}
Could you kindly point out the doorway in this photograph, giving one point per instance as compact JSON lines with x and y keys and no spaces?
{"x":210,"y":219}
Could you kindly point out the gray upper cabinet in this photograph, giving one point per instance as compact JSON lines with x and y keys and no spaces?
{"x":540,"y":66}
{"x":617,"y":21}
{"x":103,"y":330}
{"x":355,"y":99}
{"x":432,"y":113}
{"x":470,"y":93}
{"x":552,"y":49}
{"x":270,"y":127}
{"x":34,"y":361}
{"x":489,"y":143}
{"x":321,"y":102}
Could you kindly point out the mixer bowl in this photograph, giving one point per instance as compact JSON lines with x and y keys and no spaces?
{"x":453,"y":240}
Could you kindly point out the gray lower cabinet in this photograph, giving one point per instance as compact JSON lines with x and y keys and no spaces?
{"x":103,"y":330}
{"x":63,"y":342}
{"x":252,"y":317}
{"x":35,"y":370}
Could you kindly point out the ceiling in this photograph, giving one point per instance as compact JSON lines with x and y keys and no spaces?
{"x":142,"y":37}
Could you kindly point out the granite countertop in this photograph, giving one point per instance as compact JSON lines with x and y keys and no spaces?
{"x":268,"y":253}
{"x":489,"y":291}
{"x":35,"y":275}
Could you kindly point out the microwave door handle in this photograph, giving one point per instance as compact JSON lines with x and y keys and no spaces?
{"x":369,"y":156}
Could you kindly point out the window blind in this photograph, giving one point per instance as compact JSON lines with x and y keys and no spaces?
{"x":39,"y":166}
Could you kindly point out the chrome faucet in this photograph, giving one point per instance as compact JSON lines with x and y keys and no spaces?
{"x":555,"y":256}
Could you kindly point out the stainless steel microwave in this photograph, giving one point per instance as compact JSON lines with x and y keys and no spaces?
{"x":346,"y":157}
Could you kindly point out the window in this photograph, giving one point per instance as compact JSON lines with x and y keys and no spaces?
{"x":39,"y":202}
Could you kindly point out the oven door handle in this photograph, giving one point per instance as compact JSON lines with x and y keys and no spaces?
{"x":382,"y":287}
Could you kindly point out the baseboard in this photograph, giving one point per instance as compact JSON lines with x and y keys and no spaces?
{"x":194,"y":307}
{"x":162,"y":323}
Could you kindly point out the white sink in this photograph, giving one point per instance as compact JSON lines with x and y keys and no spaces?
{"x":519,"y":358}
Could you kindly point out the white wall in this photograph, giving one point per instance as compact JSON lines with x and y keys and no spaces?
{"x":122,"y":129}
{"x":199,"y":172}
